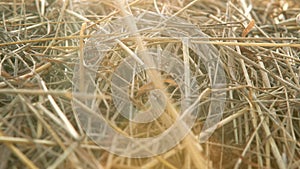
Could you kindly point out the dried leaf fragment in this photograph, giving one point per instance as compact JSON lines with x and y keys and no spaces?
{"x":248,"y":28}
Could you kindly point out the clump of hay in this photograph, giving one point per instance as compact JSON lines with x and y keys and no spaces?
{"x":41,"y":41}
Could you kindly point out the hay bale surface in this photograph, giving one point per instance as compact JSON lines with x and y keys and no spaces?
{"x":41,"y":42}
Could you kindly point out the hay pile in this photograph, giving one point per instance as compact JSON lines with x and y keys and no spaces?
{"x":42,"y":41}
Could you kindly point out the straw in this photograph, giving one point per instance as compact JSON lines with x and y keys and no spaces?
{"x":41,"y":42}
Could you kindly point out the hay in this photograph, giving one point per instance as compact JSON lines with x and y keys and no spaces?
{"x":42,"y":41}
